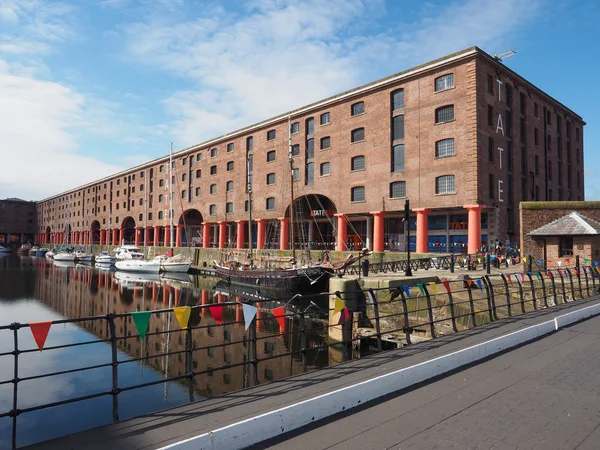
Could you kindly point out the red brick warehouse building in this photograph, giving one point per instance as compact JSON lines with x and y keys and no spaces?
{"x":463,"y":137}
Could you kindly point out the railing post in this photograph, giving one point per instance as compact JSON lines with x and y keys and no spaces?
{"x":578,"y":273}
{"x":407,"y":329}
{"x":189,"y":356}
{"x":429,"y":312}
{"x":551,"y":276}
{"x":530,"y":262}
{"x":489,"y":298}
{"x":471,"y":304}
{"x":252,"y":334}
{"x":562,"y":282}
{"x":304,"y":341}
{"x":452,"y":312}
{"x":543,"y":289}
{"x":572,"y":285}
{"x":521,"y":297}
{"x":377,"y":324}
{"x":115,"y":367}
{"x":488,"y":269}
{"x":492,"y":298}
{"x":15,"y":412}
{"x":533,"y":297}
{"x":507,"y":293}
{"x":587,"y":284}
{"x":451,"y":262}
{"x":592,"y":268}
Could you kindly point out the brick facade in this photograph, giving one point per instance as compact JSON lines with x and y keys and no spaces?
{"x":17,"y":222}
{"x":105,"y":204}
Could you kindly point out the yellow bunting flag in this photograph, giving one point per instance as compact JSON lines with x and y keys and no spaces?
{"x":524,"y":259}
{"x":338,"y":306}
{"x":183,"y":315}
{"x":433,"y":287}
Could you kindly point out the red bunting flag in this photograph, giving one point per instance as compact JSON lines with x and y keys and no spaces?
{"x":345,"y":315}
{"x":40,"y":332}
{"x":523,"y":277}
{"x":550,"y":274}
{"x":568,"y":261}
{"x":576,"y":272}
{"x":508,"y":278}
{"x":446,"y":284}
{"x":217,"y":313}
{"x":279,"y":314}
{"x":469,"y":283}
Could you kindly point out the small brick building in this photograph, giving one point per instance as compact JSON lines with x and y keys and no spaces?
{"x":17,"y":221}
{"x":558,"y":232}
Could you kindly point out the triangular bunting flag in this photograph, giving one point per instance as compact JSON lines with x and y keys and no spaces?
{"x":469,"y":282}
{"x":550,"y":263}
{"x":182,"y":314}
{"x":433,"y":287}
{"x":585,"y":261}
{"x":479,"y":260}
{"x":537,"y":274}
{"x":540,"y":261}
{"x":508,"y":278}
{"x":406,"y":290}
{"x":596,"y":263}
{"x":525,"y":259}
{"x":249,"y":313}
{"x":217,"y":313}
{"x":279,"y":314}
{"x":576,"y":272}
{"x":345,"y":315}
{"x":568,"y":261}
{"x":523,"y":277}
{"x":421,"y":288}
{"x":446,"y":284}
{"x":141,"y":320}
{"x":560,"y":263}
{"x":371,"y":296}
{"x":480,"y":284}
{"x":550,"y":275}
{"x":338,"y":306}
{"x":40,"y":332}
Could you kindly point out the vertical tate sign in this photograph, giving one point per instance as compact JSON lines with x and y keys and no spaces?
{"x":500,"y":130}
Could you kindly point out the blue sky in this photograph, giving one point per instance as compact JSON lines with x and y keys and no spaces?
{"x":90,"y":87}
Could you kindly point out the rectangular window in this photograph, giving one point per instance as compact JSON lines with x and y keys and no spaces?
{"x":522,"y":130}
{"x":490,"y":84}
{"x":398,"y":189}
{"x":296,"y":174}
{"x":548,"y":117}
{"x":445,"y":184}
{"x":271,"y":135}
{"x":398,"y":158}
{"x":230,"y":147}
{"x":576,"y":134}
{"x":310,"y":173}
{"x":357,"y":135}
{"x":229,"y":208}
{"x":559,"y":169}
{"x":491,"y":149}
{"x":325,"y":118}
{"x":536,"y":137}
{"x":184,"y":162}
{"x":325,"y":168}
{"x":198,"y":173}
{"x":357,"y":194}
{"x":197,"y":192}
{"x":270,"y":179}
{"x":444,"y":148}
{"x":325,"y":143}
{"x":295,"y":149}
{"x":490,"y":115}
{"x":536,"y":112}
{"x":213,"y":170}
{"x":270,"y":203}
{"x":213,"y":152}
{"x":398,"y":100}
{"x":444,"y":114}
{"x":310,"y":148}
{"x":249,"y":144}
{"x":508,"y":93}
{"x":183,"y":176}
{"x":310,"y":126}
{"x":213,"y":210}
{"x":357,"y":163}
{"x":537,"y":164}
{"x":565,"y":247}
{"x":183,"y":194}
{"x":271,"y":156}
{"x":229,"y":166}
{"x":398,"y":127}
{"x":444,"y":82}
{"x":229,"y":186}
{"x":549,"y":174}
{"x":213,"y":189}
{"x":491,"y":187}
{"x":357,"y":108}
{"x":522,"y":103}
{"x":295,"y":128}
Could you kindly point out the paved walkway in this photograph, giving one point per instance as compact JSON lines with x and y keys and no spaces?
{"x":544,"y":395}
{"x":538,"y":386}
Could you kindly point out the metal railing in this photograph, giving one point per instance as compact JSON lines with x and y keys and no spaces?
{"x":422,"y":311}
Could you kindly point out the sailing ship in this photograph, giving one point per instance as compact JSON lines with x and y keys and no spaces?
{"x":278,"y":272}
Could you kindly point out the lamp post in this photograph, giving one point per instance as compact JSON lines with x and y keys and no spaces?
{"x":408,"y":271}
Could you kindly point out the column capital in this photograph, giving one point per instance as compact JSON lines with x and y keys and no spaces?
{"x":283,"y":219}
{"x":221,"y":222}
{"x":260,"y":220}
{"x":473,"y":207}
{"x":340,"y":215}
{"x":378,"y":213}
{"x":157,"y":226}
{"x":422,"y":210}
{"x":241,"y":221}
{"x":207,"y":223}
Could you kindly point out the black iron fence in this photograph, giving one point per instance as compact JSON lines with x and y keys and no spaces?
{"x":365,"y":319}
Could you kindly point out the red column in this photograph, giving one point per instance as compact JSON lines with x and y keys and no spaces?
{"x":240,"y":233}
{"x":422,"y":230}
{"x":260,"y":238}
{"x":121,"y":235}
{"x":156,"y":235}
{"x":115,"y":236}
{"x":167,"y":236}
{"x":147,"y":235}
{"x":378,"y":230}
{"x":260,"y":314}
{"x":205,"y":235}
{"x":342,"y":232}
{"x":220,"y":298}
{"x":284,"y":233}
{"x":474,"y":227}
{"x":138,"y":236}
{"x":179,"y":235}
{"x":222,"y":234}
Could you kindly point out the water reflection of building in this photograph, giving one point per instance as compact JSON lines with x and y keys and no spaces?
{"x":83,"y":291}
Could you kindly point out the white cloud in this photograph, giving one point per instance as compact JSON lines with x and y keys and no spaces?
{"x":281,"y":54}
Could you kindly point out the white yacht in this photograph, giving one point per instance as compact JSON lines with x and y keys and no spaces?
{"x":177,"y":263}
{"x":105,"y":258}
{"x":127,"y":252}
{"x":138,"y":265}
{"x":84,"y":257}
{"x":65,"y":256}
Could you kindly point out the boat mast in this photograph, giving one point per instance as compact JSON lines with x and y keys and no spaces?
{"x":249,"y":189}
{"x":291,"y":188}
{"x":171,"y":195}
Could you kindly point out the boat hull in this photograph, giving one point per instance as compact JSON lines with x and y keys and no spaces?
{"x":302,"y":280}
{"x":175,"y":267}
{"x":132,"y":265}
{"x":65,"y":257}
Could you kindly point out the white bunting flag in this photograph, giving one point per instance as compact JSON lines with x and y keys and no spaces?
{"x":249,"y":313}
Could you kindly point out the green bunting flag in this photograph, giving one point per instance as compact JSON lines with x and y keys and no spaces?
{"x":141,"y":320}
{"x":421,"y":288}
{"x":537,"y":274}
{"x":585,"y":261}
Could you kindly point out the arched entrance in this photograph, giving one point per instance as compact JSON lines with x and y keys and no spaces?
{"x":314,"y":222}
{"x":48,"y":234}
{"x":128,"y":226}
{"x":95,"y":232}
{"x":191,"y":220}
